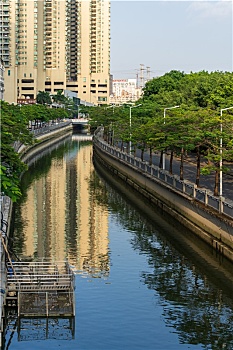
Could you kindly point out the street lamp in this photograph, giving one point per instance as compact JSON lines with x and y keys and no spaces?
{"x":130,"y":123}
{"x":112,"y":106}
{"x":164,"y":122}
{"x":220,"y":162}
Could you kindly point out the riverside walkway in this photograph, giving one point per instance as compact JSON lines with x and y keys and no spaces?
{"x":204,"y":193}
{"x":209,"y":217}
{"x":206,"y":181}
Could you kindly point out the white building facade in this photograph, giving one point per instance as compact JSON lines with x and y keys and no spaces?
{"x":124,"y":90}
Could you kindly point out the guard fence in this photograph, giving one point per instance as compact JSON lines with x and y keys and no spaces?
{"x":205,"y":196}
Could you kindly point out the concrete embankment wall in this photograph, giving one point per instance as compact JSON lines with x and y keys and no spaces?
{"x":30,"y":153}
{"x":214,"y":229}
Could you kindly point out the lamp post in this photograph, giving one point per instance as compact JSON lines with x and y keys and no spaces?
{"x":112,"y":131}
{"x":111,"y":106}
{"x":164,"y":122}
{"x":220,"y":161}
{"x":130,"y":123}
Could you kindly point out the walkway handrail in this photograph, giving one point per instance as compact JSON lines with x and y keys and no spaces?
{"x":205,"y":196}
{"x":42,"y":131}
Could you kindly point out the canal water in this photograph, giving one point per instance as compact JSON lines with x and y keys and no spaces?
{"x":142,"y":280}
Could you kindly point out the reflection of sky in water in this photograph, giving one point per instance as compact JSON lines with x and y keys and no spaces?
{"x":137,"y":285}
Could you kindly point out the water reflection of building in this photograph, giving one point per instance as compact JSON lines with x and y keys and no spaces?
{"x":62,"y":217}
{"x":90,"y":238}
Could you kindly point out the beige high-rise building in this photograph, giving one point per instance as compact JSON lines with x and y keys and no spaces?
{"x":52,"y":45}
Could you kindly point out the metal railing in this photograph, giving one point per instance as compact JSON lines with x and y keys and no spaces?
{"x":50,"y":127}
{"x":205,"y":196}
{"x":28,"y":276}
{"x":45,"y":129}
{"x":46,"y":303}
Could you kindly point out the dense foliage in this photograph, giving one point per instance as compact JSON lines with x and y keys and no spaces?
{"x":198,"y":123}
{"x":13,"y":128}
{"x":16,"y":122}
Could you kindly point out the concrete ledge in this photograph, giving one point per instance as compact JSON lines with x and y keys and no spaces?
{"x":43,"y":141}
{"x":214,"y":229}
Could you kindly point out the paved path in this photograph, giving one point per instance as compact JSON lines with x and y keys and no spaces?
{"x":206,"y":181}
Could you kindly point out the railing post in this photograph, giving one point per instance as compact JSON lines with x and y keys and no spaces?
{"x":174,"y":180}
{"x":206,"y":197}
{"x":183,"y":186}
{"x":194,"y":190}
{"x":47,"y":305}
{"x":220,"y":205}
{"x":19,"y":305}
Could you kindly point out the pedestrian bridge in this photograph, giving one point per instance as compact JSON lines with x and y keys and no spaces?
{"x":82,"y":121}
{"x":80,"y":124}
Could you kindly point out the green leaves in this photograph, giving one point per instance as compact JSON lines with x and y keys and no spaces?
{"x":201,"y":89}
{"x":43,"y":97}
{"x":9,"y":184}
{"x":13,"y":128}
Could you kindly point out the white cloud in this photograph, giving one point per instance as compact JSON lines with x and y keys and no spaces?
{"x":211,"y":9}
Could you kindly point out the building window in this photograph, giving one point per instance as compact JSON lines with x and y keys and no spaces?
{"x":102,"y":98}
{"x":84,"y":80}
{"x":25,"y":81}
{"x":27,"y":88}
{"x":9,"y":72}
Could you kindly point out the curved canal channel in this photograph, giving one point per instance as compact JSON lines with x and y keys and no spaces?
{"x":142,"y":280}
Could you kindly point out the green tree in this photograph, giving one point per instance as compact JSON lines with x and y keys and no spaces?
{"x":14,"y":128}
{"x":43,"y":97}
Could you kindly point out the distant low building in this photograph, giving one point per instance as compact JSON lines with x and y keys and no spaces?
{"x":125,"y":90}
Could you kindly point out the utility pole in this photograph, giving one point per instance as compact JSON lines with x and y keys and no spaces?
{"x":142,"y":75}
{"x":147,"y":73}
{"x":137,"y":85}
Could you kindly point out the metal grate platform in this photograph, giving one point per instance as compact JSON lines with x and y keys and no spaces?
{"x":41,"y":288}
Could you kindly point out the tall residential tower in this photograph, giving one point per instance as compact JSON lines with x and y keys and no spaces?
{"x":51,"y":45}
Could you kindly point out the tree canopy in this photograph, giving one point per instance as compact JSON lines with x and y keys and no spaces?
{"x":194,"y":126}
{"x":15,"y":121}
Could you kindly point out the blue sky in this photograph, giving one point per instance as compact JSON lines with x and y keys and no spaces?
{"x":165,"y":35}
